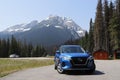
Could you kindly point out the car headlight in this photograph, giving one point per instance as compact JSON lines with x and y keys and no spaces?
{"x":90,"y":58}
{"x":66,"y":58}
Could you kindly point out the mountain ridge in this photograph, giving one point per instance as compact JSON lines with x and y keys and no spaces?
{"x":50,"y":31}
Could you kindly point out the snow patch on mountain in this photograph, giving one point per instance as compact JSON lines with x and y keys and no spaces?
{"x":47,"y":25}
{"x":60,"y":27}
{"x":21,"y":27}
{"x":80,"y":33}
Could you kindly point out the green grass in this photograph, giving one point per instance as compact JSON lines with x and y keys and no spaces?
{"x":8,"y":66}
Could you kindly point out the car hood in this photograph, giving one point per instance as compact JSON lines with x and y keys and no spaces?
{"x":75,"y":54}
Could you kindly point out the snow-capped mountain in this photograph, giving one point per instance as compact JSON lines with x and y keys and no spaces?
{"x":63,"y":22}
{"x":50,"y":31}
{"x":21,"y":27}
{"x":55,"y":21}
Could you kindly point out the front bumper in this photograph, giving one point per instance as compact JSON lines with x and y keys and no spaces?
{"x":78,"y":69}
{"x":70,"y":65}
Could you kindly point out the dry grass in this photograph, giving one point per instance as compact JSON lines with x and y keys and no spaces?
{"x":8,"y":66}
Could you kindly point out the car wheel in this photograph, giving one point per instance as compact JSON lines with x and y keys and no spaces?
{"x":93,"y":69}
{"x":55,"y":67}
{"x":59,"y":68}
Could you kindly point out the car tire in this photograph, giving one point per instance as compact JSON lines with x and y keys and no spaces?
{"x":93,"y":69}
{"x":59,"y":69}
{"x":55,"y":67}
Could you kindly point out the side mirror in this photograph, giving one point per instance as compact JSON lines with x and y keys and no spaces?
{"x":88,"y":52}
{"x":57,"y":52}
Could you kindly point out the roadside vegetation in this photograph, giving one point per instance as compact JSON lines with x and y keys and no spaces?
{"x":8,"y":66}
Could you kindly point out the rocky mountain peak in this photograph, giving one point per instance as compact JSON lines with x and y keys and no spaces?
{"x":50,"y":31}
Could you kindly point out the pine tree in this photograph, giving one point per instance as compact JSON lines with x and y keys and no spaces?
{"x":118,"y":22}
{"x":30,"y":47}
{"x":44,"y":52}
{"x":36,"y":51}
{"x":3,"y":48}
{"x":118,"y":8}
{"x":7,"y":47}
{"x":82,"y":42}
{"x":14,"y":46}
{"x":24,"y":49}
{"x":115,"y":27}
{"x":98,"y":28}
{"x":86,"y":41}
{"x":111,"y":10}
{"x":91,"y":37}
{"x":106,"y":26}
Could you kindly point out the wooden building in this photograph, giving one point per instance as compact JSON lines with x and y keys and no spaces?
{"x":101,"y":54}
{"x":117,"y":54}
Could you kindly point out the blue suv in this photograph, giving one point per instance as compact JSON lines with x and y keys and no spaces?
{"x":73,"y":57}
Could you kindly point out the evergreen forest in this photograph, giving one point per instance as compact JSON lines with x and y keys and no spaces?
{"x":104,"y":31}
{"x":13,"y":46}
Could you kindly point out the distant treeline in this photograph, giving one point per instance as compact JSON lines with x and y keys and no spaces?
{"x":23,"y":49}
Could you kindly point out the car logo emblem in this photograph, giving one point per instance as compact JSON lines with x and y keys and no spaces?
{"x":79,"y":59}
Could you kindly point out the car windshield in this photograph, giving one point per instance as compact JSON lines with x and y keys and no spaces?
{"x":72,"y":49}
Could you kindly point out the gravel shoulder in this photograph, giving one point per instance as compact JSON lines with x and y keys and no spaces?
{"x":105,"y":70}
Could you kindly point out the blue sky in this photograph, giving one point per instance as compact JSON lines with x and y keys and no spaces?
{"x":14,"y":12}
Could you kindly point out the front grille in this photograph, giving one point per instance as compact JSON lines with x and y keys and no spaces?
{"x":79,"y":60}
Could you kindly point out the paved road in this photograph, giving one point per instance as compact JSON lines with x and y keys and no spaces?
{"x":106,"y":70}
